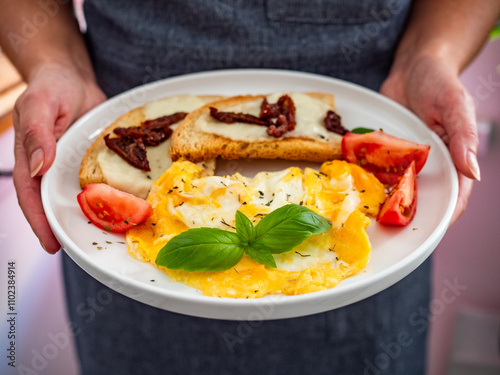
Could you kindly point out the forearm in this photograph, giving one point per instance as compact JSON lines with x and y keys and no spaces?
{"x":453,"y":30}
{"x":34,"y":34}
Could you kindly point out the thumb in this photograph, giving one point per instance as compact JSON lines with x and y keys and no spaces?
{"x":35,"y":115}
{"x":459,"y":122}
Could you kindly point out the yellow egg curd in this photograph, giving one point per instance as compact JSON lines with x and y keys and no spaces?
{"x":341,"y":192}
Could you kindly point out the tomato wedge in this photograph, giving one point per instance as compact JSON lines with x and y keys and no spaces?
{"x":384,"y":155}
{"x":111,"y":209}
{"x":401,"y":204}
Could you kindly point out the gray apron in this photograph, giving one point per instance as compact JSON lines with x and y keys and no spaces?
{"x":135,"y":42}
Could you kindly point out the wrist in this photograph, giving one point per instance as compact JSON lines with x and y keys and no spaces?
{"x":409,"y":56}
{"x":56,"y":60}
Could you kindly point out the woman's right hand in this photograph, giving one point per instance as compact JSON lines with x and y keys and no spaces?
{"x":56,"y":96}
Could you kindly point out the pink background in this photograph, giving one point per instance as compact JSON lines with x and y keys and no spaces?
{"x":470,"y":250}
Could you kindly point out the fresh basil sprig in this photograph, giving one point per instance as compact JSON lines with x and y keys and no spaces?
{"x":202,"y":249}
{"x":213,"y":249}
{"x":289,"y":226}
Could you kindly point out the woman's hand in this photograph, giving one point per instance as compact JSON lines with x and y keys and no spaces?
{"x":427,"y":86}
{"x":56,"y":96}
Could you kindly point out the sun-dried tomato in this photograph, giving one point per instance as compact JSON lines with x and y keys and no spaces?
{"x":132,"y":150}
{"x":268,"y":110}
{"x":283,"y":111}
{"x":232,"y":117}
{"x":150,"y":136}
{"x":281,"y":127}
{"x":333,"y":123}
{"x":287,"y":108}
{"x":152,"y":132}
{"x":130,"y":143}
{"x":164,"y":120}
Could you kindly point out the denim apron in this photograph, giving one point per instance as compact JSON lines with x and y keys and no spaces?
{"x":134,"y":42}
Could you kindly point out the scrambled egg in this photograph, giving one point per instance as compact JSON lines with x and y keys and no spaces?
{"x":343,"y":193}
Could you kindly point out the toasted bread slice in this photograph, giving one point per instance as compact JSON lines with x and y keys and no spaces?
{"x":200,"y":137}
{"x":101,"y":165}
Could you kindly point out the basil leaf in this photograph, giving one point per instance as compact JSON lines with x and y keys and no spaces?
{"x":287,"y":227}
{"x":244,"y":227}
{"x":261,"y":254}
{"x":361,"y":130}
{"x":201,"y":249}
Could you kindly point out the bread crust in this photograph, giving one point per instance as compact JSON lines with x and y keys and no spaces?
{"x":189,"y":142}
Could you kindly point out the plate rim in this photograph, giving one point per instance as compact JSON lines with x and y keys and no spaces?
{"x":80,"y":255}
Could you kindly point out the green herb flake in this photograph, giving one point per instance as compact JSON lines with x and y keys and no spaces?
{"x":226,"y":224}
{"x":362,"y":130}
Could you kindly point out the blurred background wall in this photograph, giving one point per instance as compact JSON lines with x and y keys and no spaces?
{"x":465,"y":332}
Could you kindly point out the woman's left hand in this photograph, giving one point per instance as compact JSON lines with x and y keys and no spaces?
{"x":428,"y":87}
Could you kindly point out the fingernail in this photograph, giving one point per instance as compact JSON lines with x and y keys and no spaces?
{"x":41,"y":244}
{"x":473,"y":165}
{"x":36,"y":162}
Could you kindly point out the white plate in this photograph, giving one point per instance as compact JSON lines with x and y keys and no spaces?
{"x":396,"y":251}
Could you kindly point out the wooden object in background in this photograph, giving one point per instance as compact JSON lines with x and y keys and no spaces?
{"x":8,"y":74}
{"x":11,"y":86}
{"x":5,"y":122}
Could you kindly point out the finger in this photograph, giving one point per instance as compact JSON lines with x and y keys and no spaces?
{"x":464,"y":191}
{"x":28,"y":192}
{"x":35,"y":114}
{"x":459,"y":121}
